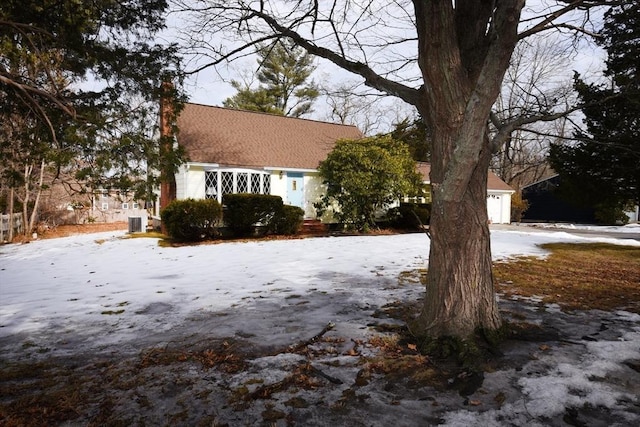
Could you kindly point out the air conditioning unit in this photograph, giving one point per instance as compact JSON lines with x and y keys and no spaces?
{"x":135,"y":224}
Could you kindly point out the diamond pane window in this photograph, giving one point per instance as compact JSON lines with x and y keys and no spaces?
{"x":226,"y":181}
{"x":211,"y":184}
{"x":255,"y":183}
{"x":243,"y":182}
{"x":266,"y":184}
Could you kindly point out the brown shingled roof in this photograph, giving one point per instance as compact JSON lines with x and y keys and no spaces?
{"x":493,"y":181}
{"x":244,"y":138}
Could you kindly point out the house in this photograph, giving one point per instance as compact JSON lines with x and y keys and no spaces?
{"x":498,"y":195}
{"x":546,"y":206}
{"x":235,"y":151}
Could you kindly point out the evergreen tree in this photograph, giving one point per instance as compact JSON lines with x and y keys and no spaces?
{"x":415,"y":134}
{"x":104,"y":136}
{"x":601,"y":169}
{"x":283,"y":73}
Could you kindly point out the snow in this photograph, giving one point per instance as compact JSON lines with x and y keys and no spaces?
{"x":102,"y":291}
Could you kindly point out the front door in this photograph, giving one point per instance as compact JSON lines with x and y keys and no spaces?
{"x":295,"y":189}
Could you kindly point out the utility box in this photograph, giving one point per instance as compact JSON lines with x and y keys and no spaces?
{"x":135,"y":224}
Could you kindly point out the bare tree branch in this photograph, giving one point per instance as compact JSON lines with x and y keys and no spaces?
{"x":549,"y":21}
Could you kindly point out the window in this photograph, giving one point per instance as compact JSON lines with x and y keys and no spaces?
{"x":104,"y":194}
{"x":266,"y":184}
{"x":125,"y":206}
{"x":105,"y":206}
{"x":255,"y":183}
{"x":242,"y":182}
{"x":220,"y":182}
{"x":136,"y":205}
{"x":226,"y":182}
{"x":211,"y":184}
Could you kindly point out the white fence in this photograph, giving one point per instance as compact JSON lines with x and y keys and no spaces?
{"x":4,"y":226}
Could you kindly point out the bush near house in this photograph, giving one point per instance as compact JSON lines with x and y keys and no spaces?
{"x":518,"y":206}
{"x":366,"y":176}
{"x":289,"y":220}
{"x":192,"y":220}
{"x":612,"y":214}
{"x":410,"y":216}
{"x":242,"y":212}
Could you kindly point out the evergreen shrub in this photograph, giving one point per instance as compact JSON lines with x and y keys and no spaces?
{"x":191,"y":220}
{"x":242,"y":212}
{"x":289,"y":220}
{"x":409,"y":216}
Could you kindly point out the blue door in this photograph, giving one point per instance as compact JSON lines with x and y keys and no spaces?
{"x":295,"y":189}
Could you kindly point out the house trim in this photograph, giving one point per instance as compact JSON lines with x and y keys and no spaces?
{"x":285,"y":169}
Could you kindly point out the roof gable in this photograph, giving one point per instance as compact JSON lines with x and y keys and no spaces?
{"x":252,"y":139}
{"x":494,"y":183}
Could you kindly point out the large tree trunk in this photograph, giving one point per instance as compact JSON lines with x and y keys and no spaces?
{"x":460,"y":295}
{"x":464,"y":51}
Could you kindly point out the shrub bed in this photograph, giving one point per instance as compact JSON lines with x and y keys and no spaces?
{"x":409,"y":216}
{"x":289,"y":220}
{"x":242,"y":212}
{"x":192,"y":220}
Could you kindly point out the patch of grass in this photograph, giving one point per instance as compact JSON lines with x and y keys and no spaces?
{"x":147,"y":234}
{"x":576,"y":276}
{"x":413,"y":277}
{"x":112,"y":312}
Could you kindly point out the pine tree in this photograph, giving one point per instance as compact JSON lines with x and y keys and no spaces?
{"x":601,"y":169}
{"x":283,"y":73}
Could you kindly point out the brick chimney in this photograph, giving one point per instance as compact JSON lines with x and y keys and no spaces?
{"x":167,"y":119}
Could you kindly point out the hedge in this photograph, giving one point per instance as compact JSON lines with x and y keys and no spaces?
{"x":289,"y":220}
{"x":242,"y":212}
{"x":192,"y":220}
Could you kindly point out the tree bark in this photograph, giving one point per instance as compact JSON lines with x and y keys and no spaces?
{"x":25,"y":202}
{"x":11,"y":204}
{"x":36,"y":202}
{"x":460,"y":295}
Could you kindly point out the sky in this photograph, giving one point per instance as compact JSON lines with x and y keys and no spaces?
{"x":106,"y":294}
{"x":211,"y":86}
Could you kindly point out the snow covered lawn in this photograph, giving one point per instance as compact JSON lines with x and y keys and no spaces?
{"x":106,"y":297}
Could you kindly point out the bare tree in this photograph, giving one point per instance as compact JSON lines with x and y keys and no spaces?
{"x":536,"y":81}
{"x":372,"y":113}
{"x":448,"y":59}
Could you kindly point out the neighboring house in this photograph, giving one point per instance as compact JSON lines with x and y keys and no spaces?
{"x":546,"y":206}
{"x":113,"y":206}
{"x":57,"y":206}
{"x":235,"y":151}
{"x":498,"y":195}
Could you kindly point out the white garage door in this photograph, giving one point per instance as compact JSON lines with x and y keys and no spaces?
{"x":494,"y":208}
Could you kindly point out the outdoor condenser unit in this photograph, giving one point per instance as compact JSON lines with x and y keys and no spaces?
{"x":135,"y":224}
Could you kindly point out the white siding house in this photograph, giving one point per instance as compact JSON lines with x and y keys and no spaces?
{"x":235,"y":151}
